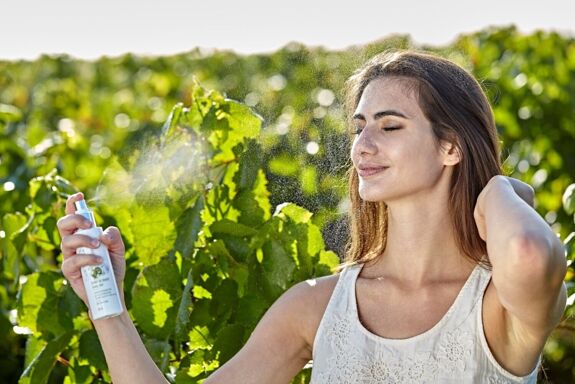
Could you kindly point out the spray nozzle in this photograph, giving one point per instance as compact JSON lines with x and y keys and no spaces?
{"x":82,"y":209}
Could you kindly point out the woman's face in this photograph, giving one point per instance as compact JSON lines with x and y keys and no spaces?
{"x":394,"y":150}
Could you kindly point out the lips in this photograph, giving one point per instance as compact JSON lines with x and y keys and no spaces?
{"x":368,"y":171}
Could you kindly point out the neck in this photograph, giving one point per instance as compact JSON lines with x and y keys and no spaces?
{"x":421,"y":246}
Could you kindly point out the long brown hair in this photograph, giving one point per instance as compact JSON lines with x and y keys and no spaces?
{"x":459,"y":112}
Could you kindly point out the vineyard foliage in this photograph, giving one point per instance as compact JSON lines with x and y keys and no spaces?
{"x":226,"y":198}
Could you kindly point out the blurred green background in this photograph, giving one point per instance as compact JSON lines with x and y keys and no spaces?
{"x":72,"y":115}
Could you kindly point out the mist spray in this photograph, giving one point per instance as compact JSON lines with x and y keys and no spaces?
{"x":99,"y":280}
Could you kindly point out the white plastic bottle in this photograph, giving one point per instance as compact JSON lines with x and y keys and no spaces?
{"x":99,"y":280}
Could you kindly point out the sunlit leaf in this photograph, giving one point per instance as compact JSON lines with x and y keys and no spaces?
{"x":156,"y":298}
{"x":38,"y":371}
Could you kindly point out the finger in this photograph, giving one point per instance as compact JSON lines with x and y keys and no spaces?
{"x":112,"y":239}
{"x":70,"y":208}
{"x":71,"y":242}
{"x":71,"y":267}
{"x":69,"y":224}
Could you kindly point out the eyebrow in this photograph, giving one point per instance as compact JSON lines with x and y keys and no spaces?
{"x":380,"y":114}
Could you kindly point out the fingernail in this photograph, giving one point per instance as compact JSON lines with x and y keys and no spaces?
{"x":87,"y":224}
{"x":95,"y":242}
{"x":99,"y":259}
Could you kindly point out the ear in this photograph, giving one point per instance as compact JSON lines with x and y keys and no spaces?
{"x":450,"y":153}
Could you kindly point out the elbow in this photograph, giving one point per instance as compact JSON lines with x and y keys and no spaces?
{"x":539,"y":257}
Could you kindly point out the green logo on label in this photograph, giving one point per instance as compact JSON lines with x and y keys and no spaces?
{"x":97,"y":271}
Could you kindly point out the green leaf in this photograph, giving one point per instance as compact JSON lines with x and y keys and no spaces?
{"x":38,"y":371}
{"x":79,"y":373}
{"x":250,"y":163}
{"x":200,"y":292}
{"x":158,"y":349}
{"x":261,"y":194}
{"x":193,"y":366}
{"x":315,"y":243}
{"x":250,"y":310}
{"x":40,"y":302}
{"x":243,"y":120}
{"x":569,"y":199}
{"x":308,"y":179}
{"x":15,"y":228}
{"x":199,"y":338}
{"x":284,"y":165}
{"x":223,"y":257}
{"x":156,"y":298}
{"x":153,"y":232}
{"x":328,"y":258}
{"x":251,"y":212}
{"x":188,"y":226}
{"x":172,"y":121}
{"x":91,"y":349}
{"x":41,"y":192}
{"x":278,"y":263}
{"x":239,"y":247}
{"x":184,"y":310}
{"x":10,"y":113}
{"x":34,"y":345}
{"x":196,"y":366}
{"x":225,"y":298}
{"x":229,"y":227}
{"x":229,"y":341}
{"x":569,"y":244}
{"x":293,"y":212}
{"x":239,"y":273}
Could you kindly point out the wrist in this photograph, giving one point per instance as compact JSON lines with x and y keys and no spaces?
{"x":121,"y":320}
{"x":496,"y":182}
{"x":116,"y":317}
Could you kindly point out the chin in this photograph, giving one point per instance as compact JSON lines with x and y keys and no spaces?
{"x":371,"y":197}
{"x":376,"y":195}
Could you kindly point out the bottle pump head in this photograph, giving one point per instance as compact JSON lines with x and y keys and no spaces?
{"x":82,"y":209}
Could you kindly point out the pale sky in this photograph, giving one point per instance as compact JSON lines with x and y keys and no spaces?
{"x":90,"y":29}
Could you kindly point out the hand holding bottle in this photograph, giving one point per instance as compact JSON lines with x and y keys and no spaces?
{"x":72,"y":242}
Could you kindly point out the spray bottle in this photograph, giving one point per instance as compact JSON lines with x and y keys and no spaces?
{"x":99,"y":280}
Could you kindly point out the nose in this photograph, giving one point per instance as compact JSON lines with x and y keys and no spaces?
{"x":364,"y":143}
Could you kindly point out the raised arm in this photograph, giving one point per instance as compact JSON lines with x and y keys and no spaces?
{"x":528,"y":259}
{"x":126,"y":356}
{"x":275,"y":352}
{"x":277,"y":349}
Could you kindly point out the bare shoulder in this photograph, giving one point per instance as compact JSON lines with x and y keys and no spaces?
{"x":313,"y":295}
{"x":281,"y":338}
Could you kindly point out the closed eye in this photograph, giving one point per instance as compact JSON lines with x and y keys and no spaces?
{"x":387,"y":129}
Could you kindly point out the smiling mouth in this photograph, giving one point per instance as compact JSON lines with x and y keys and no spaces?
{"x":370,"y":171}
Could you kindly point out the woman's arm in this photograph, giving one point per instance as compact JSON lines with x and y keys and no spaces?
{"x":126,"y":356}
{"x":528,"y":259}
{"x":275,"y":352}
{"x":277,"y":348}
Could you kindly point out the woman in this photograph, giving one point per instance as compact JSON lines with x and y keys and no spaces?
{"x":450,"y":275}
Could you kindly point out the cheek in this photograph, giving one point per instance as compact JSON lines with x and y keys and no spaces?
{"x":421,"y":159}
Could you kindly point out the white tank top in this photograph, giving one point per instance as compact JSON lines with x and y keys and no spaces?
{"x":454,"y":350}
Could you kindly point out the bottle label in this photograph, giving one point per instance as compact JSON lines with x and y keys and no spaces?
{"x":100,"y":284}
